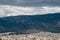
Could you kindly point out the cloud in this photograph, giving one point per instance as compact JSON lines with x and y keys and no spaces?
{"x":28,"y":7}
{"x":7,"y":10}
{"x":31,"y":3}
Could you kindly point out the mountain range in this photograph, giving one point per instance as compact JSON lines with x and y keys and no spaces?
{"x":31,"y":23}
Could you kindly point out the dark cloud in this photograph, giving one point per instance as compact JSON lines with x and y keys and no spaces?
{"x":31,"y":2}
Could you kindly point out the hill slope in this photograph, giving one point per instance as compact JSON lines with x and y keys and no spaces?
{"x":31,"y":24}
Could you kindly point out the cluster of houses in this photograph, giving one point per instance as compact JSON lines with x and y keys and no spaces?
{"x":33,"y":36}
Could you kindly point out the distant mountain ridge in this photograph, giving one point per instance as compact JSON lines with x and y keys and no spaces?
{"x":31,"y":23}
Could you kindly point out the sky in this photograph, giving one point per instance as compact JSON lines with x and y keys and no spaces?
{"x":28,"y":7}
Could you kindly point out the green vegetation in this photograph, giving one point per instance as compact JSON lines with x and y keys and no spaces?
{"x":22,"y":24}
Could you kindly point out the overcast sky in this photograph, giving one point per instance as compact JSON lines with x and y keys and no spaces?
{"x":22,"y":7}
{"x":31,"y":3}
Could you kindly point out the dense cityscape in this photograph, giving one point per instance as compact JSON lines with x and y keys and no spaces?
{"x":33,"y":36}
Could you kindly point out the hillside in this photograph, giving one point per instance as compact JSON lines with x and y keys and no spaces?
{"x":31,"y":23}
